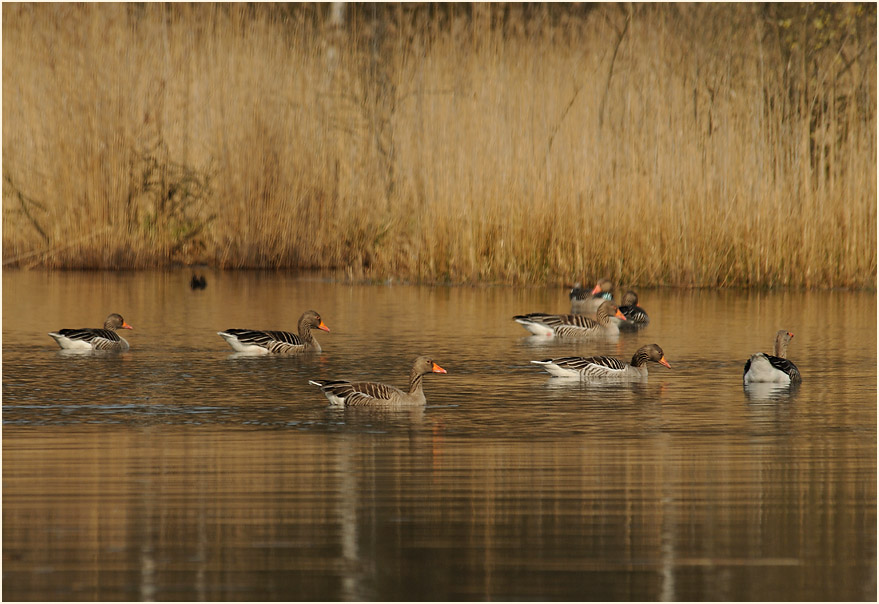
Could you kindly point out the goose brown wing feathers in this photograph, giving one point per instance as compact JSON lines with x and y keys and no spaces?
{"x":558,"y":320}
{"x":635,"y":316}
{"x":581,"y":363}
{"x":274,"y":341}
{"x":88,"y":334}
{"x":100,"y":339}
{"x":784,"y":366}
{"x":362,"y":393}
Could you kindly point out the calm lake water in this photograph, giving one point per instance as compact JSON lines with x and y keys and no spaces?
{"x":179,"y":471}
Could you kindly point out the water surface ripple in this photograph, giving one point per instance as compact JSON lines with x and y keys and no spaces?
{"x":181,"y":471}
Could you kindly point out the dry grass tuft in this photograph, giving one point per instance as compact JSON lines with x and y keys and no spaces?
{"x":707,"y":145}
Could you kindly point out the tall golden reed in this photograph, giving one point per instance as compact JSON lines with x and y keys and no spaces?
{"x":730,"y":145}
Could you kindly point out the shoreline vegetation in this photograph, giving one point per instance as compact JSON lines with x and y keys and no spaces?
{"x":729,"y":145}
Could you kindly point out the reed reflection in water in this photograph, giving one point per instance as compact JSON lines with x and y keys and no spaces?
{"x":182,"y":472}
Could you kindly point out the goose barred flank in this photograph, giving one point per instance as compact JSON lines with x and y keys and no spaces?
{"x":277,"y":342}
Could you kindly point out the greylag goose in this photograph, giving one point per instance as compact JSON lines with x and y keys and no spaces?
{"x":87,"y":338}
{"x":587,"y":301}
{"x":351,"y":394}
{"x":601,"y":367}
{"x":636,"y":317}
{"x":574,"y":326}
{"x":277,"y":342}
{"x":775,"y":369}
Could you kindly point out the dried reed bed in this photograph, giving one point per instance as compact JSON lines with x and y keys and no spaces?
{"x":730,"y":145}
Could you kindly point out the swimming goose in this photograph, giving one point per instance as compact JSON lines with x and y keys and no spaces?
{"x":352,"y":394}
{"x":587,"y":301}
{"x":776,"y":369}
{"x":601,"y":367}
{"x":87,"y":338}
{"x":277,"y":342}
{"x":574,"y":326}
{"x":636,"y":317}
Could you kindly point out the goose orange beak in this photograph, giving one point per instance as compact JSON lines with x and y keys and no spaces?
{"x":126,"y":325}
{"x":619,"y":315}
{"x":662,"y":361}
{"x":323,"y":326}
{"x":596,"y":289}
{"x":438,"y":369}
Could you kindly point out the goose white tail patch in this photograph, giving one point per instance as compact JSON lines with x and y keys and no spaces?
{"x":237,"y":346}
{"x":556,"y":370}
{"x":69,"y":344}
{"x":536,"y":328}
{"x":762,"y":371}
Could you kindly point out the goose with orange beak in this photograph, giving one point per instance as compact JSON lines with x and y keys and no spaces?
{"x":604,"y":368}
{"x":342,"y":393}
{"x":87,"y":338}
{"x":254,"y":341}
{"x":606,"y":323}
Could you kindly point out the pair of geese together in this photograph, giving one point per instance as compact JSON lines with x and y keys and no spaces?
{"x":760,"y":368}
{"x":598,"y":302}
{"x":340,"y":393}
{"x":242,"y":340}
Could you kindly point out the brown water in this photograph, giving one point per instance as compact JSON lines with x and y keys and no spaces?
{"x":180,"y":471}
